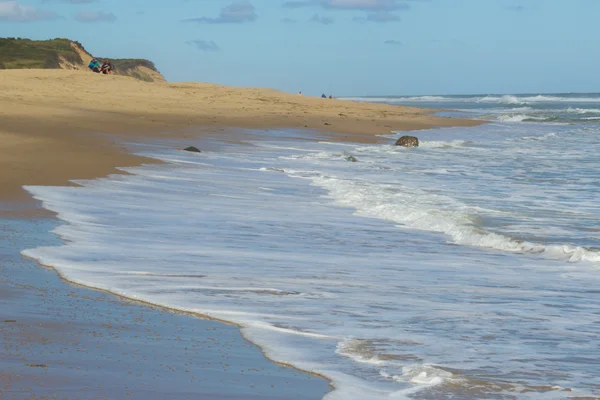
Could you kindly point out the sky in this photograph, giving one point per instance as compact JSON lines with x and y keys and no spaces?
{"x":338,"y":47}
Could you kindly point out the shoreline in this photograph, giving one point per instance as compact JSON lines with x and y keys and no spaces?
{"x":59,"y":125}
{"x":194,"y":316}
{"x":62,"y":339}
{"x":47,"y":141}
{"x":208,"y":141}
{"x":178,"y":312}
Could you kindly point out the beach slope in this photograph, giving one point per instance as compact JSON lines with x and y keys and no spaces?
{"x":55,"y":125}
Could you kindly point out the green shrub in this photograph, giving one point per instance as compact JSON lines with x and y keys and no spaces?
{"x":25,"y":53}
{"x":16,"y":53}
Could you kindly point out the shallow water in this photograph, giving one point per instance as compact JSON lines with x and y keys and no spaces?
{"x":557,"y":108}
{"x":466,"y":268}
{"x":65,"y":342}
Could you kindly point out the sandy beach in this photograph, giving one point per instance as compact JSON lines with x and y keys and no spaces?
{"x":66,"y":341}
{"x":53,"y":123}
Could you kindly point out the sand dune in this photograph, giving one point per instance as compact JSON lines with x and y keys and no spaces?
{"x":54,"y":123}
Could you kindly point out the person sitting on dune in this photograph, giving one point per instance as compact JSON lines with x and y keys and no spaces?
{"x":106,"y":67}
{"x":94,"y":65}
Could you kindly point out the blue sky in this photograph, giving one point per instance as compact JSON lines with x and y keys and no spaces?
{"x":342,"y":47}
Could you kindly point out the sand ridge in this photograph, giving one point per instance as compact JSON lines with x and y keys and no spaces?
{"x":53,"y":123}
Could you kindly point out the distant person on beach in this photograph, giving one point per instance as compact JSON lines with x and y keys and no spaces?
{"x":95,"y":65}
{"x":330,"y":97}
{"x":106,"y":67}
{"x":323,"y":96}
{"x":299,"y":93}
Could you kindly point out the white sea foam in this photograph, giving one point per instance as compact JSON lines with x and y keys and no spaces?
{"x":567,"y":99}
{"x":507,"y":99}
{"x":426,"y":374}
{"x":399,"y":99}
{"x":427,"y":98}
{"x":457,"y":281}
{"x":547,"y":136}
{"x":358,"y":351}
{"x":518,"y":118}
{"x":419,"y":210}
{"x":443,"y":144}
{"x":583,"y":110}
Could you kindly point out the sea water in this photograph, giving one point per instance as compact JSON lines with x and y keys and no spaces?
{"x":467,"y":268}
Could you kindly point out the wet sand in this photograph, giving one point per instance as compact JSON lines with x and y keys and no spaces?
{"x":67,"y":342}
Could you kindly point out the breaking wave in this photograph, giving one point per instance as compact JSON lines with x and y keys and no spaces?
{"x":507,"y":99}
{"x":416,"y":209}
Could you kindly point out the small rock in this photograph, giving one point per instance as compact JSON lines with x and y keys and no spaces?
{"x":326,"y":123}
{"x":192,"y":149}
{"x":351,"y":159}
{"x":408,"y":141}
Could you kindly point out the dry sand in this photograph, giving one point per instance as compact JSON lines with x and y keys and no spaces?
{"x":53,"y":123}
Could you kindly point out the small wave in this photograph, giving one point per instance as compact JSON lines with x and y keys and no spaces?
{"x":517,"y":118}
{"x":539,"y":138}
{"x":431,"y":376}
{"x":435,"y":213}
{"x":428,"y":98}
{"x":426,"y":374}
{"x":271,"y":169}
{"x":423,"y":374}
{"x":358,"y":350}
{"x":552,"y":99}
{"x":506,"y":99}
{"x":541,"y":98}
{"x":399,"y":99}
{"x":583,"y":110}
{"x":514,"y":99}
{"x":555,"y":99}
{"x":526,"y":118}
{"x":436,"y":144}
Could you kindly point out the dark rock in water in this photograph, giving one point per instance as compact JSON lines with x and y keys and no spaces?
{"x":351,"y":159}
{"x":37,"y":365}
{"x":192,"y":149}
{"x":408,"y":141}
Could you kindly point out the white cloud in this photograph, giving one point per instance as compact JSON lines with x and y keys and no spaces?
{"x":235,"y":13}
{"x":14,"y":11}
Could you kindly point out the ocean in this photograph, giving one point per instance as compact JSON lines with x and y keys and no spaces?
{"x":467,"y":268}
